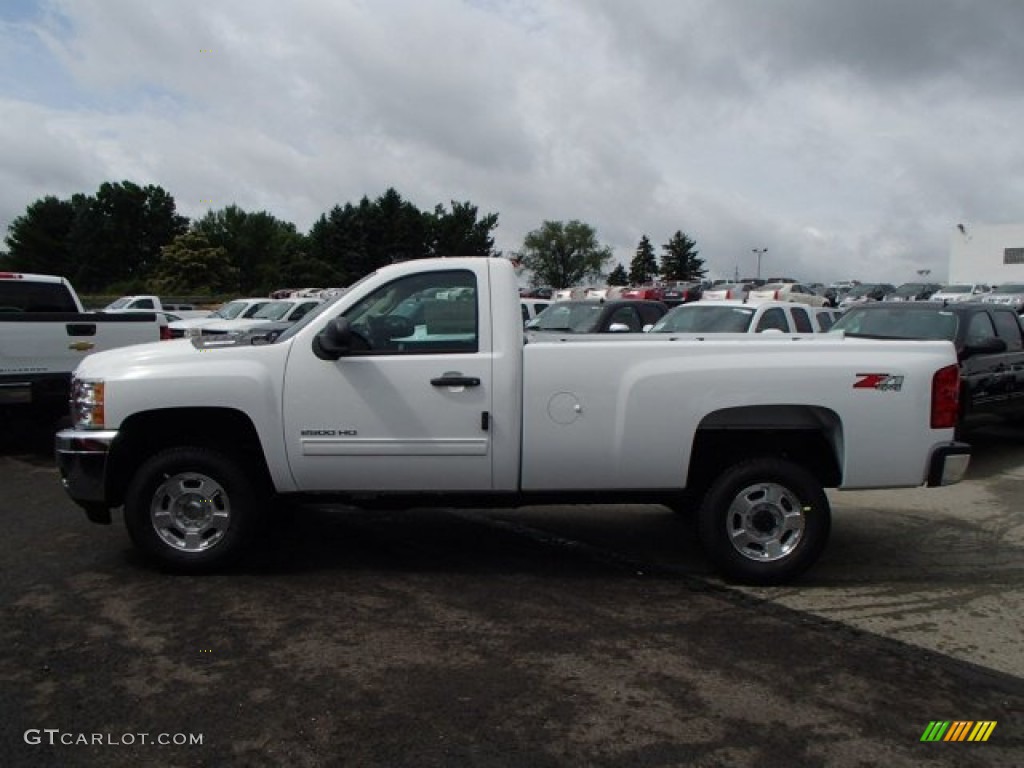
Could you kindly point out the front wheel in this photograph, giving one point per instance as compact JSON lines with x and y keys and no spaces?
{"x":192,"y":509}
{"x":764,"y":521}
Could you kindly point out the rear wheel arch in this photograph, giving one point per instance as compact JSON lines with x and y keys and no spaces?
{"x":809,"y":436}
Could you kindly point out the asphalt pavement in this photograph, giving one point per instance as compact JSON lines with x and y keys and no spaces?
{"x":545,"y":636}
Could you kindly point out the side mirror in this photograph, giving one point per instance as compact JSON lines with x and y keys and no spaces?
{"x":647,"y":328}
{"x":988,"y":346}
{"x":618,"y":328}
{"x":334,"y":341}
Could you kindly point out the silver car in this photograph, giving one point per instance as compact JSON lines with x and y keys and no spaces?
{"x":1008,"y":294}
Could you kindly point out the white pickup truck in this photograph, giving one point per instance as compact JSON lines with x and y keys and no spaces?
{"x":150,"y":303}
{"x":415,"y":387}
{"x":45,"y":333}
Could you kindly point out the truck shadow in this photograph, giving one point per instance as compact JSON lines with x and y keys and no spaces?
{"x":995,"y":449}
{"x":578,"y":542}
{"x":28,"y":435}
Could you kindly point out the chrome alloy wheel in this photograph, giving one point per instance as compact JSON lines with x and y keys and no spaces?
{"x":190,"y":511}
{"x":765,"y":522}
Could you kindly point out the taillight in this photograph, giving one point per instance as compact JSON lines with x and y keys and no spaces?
{"x":165,"y":333}
{"x":946,"y":397}
{"x":776,"y":296}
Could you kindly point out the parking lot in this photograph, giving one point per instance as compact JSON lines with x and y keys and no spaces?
{"x":538,"y":636}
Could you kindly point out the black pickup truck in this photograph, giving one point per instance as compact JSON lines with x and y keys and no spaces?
{"x":989,"y":343}
{"x":598,"y":316}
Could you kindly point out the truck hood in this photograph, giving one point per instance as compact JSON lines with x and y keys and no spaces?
{"x":161,"y":354}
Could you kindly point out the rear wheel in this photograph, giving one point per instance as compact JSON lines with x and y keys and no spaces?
{"x":193,"y":509}
{"x":764,"y":521}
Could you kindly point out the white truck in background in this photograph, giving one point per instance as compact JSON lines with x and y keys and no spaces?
{"x":149,"y":303}
{"x":415,"y":387}
{"x":45,"y":333}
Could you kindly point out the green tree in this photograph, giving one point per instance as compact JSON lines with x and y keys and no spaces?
{"x":644,"y":266}
{"x":679,"y":260}
{"x":117,"y":235}
{"x":460,"y":232}
{"x":38,"y":239}
{"x":338,"y":238}
{"x":357,"y":239}
{"x":258,"y":245}
{"x":396,"y":230}
{"x":562,"y":254}
{"x":189,"y":265}
{"x":302,"y":270}
{"x":618,"y":276}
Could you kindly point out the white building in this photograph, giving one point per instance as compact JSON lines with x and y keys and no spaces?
{"x":987,"y":254}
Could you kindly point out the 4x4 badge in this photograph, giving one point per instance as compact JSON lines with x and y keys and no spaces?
{"x":883,"y":382}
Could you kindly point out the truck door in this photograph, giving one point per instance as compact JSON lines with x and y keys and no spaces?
{"x":1008,"y":329}
{"x":408,"y":408}
{"x":984,"y":372}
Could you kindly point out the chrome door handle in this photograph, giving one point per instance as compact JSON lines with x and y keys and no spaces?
{"x":456,"y":381}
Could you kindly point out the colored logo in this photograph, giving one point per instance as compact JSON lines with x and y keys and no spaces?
{"x":958,"y":730}
{"x":883,"y":382}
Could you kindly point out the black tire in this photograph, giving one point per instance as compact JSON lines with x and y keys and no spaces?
{"x":764,"y":521}
{"x":193,"y":510}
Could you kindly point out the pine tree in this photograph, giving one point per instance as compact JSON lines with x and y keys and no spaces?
{"x":679,"y":260}
{"x":644,"y":266}
{"x":618,"y":276}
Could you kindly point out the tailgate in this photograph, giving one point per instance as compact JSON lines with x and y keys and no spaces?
{"x":43,"y":343}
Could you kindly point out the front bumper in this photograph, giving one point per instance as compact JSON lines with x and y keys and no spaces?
{"x":948,"y":464}
{"x":82,"y":460}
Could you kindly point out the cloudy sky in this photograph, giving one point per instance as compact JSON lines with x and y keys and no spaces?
{"x":848,"y":138}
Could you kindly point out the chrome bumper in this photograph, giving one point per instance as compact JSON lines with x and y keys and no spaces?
{"x":82,"y":461}
{"x":948,"y":464}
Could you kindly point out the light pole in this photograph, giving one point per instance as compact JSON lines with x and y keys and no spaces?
{"x":760,"y":252}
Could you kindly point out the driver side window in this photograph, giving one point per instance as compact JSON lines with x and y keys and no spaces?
{"x":426,"y":313}
{"x":774,"y":319}
{"x":979,"y":328}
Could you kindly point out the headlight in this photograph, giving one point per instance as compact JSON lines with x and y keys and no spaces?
{"x":192,"y":333}
{"x":87,"y":399}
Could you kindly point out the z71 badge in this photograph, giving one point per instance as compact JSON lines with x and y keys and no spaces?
{"x":883,"y":382}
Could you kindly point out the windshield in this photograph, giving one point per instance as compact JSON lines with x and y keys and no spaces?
{"x":275,"y":310}
{"x":694,"y":318}
{"x":568,"y":317}
{"x":957,"y":289}
{"x":122,"y":302}
{"x":230,"y":311}
{"x":1009,"y":288}
{"x":909,"y":289}
{"x":925,"y":324}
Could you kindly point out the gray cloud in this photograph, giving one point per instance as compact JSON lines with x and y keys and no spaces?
{"x":847,"y":138}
